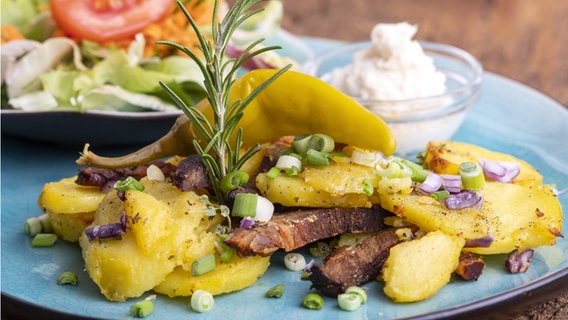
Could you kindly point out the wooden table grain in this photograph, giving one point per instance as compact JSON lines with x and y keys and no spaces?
{"x":524,"y":40}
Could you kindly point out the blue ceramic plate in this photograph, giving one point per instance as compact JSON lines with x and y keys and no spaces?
{"x":509,"y":117}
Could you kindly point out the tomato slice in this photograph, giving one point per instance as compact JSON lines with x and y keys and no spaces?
{"x":107,"y":20}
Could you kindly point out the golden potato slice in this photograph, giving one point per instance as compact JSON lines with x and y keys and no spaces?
{"x":341,"y":178}
{"x":516,"y":216}
{"x":415,"y":270}
{"x":70,"y":206}
{"x":293,"y":191}
{"x":167,"y":230}
{"x":119,"y":267}
{"x":444,"y":157}
{"x":235,"y":275}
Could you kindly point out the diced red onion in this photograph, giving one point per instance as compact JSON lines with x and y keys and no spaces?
{"x":112,"y":230}
{"x":253,"y":63}
{"x":500,"y":170}
{"x":432,"y":183}
{"x":452,"y":183}
{"x":519,"y":261}
{"x":310,"y":265}
{"x":464,"y":199}
{"x":246,"y":223}
{"x":483,"y":242}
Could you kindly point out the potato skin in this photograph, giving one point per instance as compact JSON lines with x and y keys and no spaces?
{"x":415,"y":270}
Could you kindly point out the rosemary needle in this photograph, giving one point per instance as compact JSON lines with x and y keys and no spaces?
{"x":219,"y":74}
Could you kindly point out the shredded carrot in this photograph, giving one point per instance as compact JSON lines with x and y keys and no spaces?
{"x":9,"y":33}
{"x":176,"y":28}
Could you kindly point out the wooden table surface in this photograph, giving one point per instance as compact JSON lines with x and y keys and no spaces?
{"x":524,"y":40}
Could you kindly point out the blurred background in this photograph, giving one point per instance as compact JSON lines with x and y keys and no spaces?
{"x":524,"y":40}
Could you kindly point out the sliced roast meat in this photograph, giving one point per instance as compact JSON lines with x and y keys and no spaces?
{"x":295,"y":229}
{"x":191,"y":174}
{"x":353,"y":265}
{"x":469,"y":266}
{"x":106,"y":178}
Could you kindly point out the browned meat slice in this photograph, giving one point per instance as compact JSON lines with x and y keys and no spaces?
{"x":105,"y":178}
{"x":469,"y":266}
{"x":353,"y":265}
{"x":191,"y":174}
{"x":293,"y":230}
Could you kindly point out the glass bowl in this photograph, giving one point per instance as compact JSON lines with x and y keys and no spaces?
{"x":415,"y":122}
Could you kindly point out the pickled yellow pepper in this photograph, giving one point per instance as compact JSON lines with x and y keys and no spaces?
{"x":293,"y":104}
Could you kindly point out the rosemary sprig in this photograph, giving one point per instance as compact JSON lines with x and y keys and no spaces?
{"x":219,"y":156}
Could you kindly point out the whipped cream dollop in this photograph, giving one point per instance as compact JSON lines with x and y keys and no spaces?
{"x":395,"y":67}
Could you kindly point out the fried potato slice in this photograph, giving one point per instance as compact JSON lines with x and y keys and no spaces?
{"x":71,"y":207}
{"x":415,"y":270}
{"x":516,"y":217}
{"x":444,"y":157}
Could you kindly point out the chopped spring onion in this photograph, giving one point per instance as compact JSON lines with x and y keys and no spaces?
{"x":317,"y":158}
{"x":289,"y":152}
{"x":253,"y":206}
{"x":68,"y":277}
{"x":464,"y":199}
{"x":368,"y":188}
{"x":313,"y":301}
{"x":500,"y":170}
{"x":321,"y":142}
{"x":35,"y":225}
{"x":202,"y":301}
{"x":203,"y":265}
{"x":419,"y":174}
{"x":432,"y":183}
{"x":129,"y":183}
{"x":301,"y":144}
{"x":295,"y":261}
{"x":273,"y":173}
{"x":234,"y":180}
{"x":440,"y":195}
{"x":393,"y":169}
{"x":44,"y":240}
{"x":349,"y":302}
{"x":358,"y":291}
{"x":452,"y":182}
{"x":226,"y":252}
{"x":321,"y":249}
{"x":245,"y":205}
{"x":142,"y":309}
{"x":472,"y":176}
{"x":291,"y":172}
{"x":275,"y":292}
{"x":32,"y":226}
{"x":264,"y":209}
{"x":365,"y":158}
{"x":154,"y":173}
